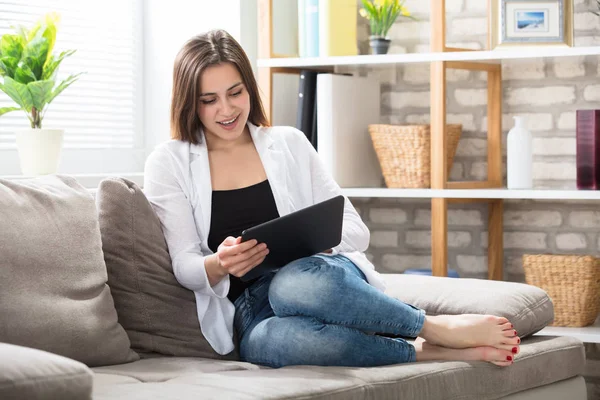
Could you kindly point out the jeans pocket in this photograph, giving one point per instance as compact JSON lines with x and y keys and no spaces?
{"x":244,"y":313}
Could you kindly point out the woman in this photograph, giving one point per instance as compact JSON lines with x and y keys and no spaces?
{"x":226,"y":170}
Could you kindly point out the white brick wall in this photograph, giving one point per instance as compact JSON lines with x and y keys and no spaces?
{"x":472,"y":264}
{"x":472,"y":147}
{"x":422,"y":239}
{"x":554,"y":146}
{"x":535,"y":122}
{"x":585,"y":219}
{"x":405,"y":99}
{"x":384,"y":239}
{"x":571,"y":241}
{"x":402,"y":262}
{"x":541,"y":96}
{"x":567,"y":121}
{"x":471,"y":97}
{"x":455,"y":218}
{"x":570,"y":68}
{"x":554,"y":170}
{"x":524,"y":240}
{"x":388,"y":216}
{"x":468,"y":26}
{"x":534,"y":218}
{"x":592,"y":93}
{"x":521,"y":70}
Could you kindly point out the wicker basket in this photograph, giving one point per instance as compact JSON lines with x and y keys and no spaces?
{"x":571,"y":281}
{"x":404,"y":153}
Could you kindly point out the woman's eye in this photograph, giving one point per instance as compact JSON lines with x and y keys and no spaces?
{"x":236,"y":93}
{"x":208,"y":101}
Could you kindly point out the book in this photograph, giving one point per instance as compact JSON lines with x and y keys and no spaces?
{"x":311,"y":27}
{"x":346,"y":107}
{"x":302,"y":28}
{"x":337,"y":28}
{"x":588,"y":149}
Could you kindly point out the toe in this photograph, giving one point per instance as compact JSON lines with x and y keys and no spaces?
{"x":511,"y":349}
{"x":507,"y":326}
{"x":501,"y":320}
{"x":502,"y":363}
{"x":511,"y":340}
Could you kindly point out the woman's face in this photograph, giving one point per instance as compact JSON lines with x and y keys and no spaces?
{"x":224,"y":103}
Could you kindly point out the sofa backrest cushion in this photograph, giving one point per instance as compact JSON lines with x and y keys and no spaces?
{"x":53,"y":291}
{"x":527,"y":307}
{"x":159,"y":315}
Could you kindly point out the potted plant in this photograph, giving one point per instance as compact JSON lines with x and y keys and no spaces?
{"x":28,"y":71}
{"x":381,"y":15}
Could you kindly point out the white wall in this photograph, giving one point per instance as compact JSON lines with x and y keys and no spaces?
{"x":167,"y":26}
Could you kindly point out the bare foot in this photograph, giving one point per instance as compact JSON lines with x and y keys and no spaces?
{"x":469,"y":330}
{"x":430,"y":352}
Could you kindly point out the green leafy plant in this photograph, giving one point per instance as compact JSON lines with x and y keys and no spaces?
{"x":382,"y":14}
{"x":28,"y":68}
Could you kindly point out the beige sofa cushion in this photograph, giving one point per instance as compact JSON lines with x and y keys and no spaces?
{"x":54,"y":295}
{"x":31,"y":374}
{"x":528,"y":308}
{"x":158,"y":314}
{"x":542,"y":361}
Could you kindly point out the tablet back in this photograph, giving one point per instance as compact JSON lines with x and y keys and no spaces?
{"x":302,"y":233}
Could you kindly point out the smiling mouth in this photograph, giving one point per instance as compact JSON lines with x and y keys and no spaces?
{"x":229,"y":122}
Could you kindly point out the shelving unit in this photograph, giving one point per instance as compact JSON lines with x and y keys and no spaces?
{"x":587,"y":334}
{"x":421,"y":58}
{"x":474,"y":194}
{"x":441,"y":58}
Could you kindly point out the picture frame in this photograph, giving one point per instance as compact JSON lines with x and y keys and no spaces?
{"x":529,"y":23}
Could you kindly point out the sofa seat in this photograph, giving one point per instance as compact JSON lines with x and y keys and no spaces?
{"x":543,"y":361}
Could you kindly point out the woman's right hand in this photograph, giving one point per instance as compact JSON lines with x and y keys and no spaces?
{"x":237,"y":258}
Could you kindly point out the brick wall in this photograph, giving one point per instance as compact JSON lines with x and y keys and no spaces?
{"x":547,"y":92}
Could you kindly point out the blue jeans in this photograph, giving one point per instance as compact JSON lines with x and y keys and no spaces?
{"x":320,"y":310}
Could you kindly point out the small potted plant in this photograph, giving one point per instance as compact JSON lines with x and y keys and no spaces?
{"x":28,"y":75}
{"x":381,"y":15}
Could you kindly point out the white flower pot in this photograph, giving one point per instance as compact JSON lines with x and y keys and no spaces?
{"x":39,"y":150}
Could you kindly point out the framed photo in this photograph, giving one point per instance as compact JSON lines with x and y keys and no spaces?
{"x":530,"y":23}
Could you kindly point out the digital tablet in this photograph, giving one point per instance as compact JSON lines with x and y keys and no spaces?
{"x":302,"y":233}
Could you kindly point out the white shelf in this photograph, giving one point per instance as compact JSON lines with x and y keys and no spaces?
{"x":528,"y":194}
{"x":587,"y":334}
{"x":410,"y":58}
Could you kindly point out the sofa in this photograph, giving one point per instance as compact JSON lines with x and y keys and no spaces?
{"x":90,"y":309}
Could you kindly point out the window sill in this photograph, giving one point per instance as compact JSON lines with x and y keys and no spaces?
{"x":91,"y":181}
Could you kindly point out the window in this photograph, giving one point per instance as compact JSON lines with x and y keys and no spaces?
{"x":102,"y":112}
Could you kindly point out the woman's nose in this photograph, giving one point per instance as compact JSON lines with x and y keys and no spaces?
{"x":226,"y":108}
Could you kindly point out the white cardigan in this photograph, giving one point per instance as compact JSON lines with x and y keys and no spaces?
{"x":178,"y":185}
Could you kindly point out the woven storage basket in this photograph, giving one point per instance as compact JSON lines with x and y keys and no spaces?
{"x":571,"y":281}
{"x":404,"y":153}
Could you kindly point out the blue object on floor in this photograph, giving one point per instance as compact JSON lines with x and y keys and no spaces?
{"x":451,"y":273}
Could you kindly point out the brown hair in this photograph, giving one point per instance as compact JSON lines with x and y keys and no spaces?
{"x":201,"y":51}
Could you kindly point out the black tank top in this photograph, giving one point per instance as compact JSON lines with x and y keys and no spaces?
{"x":236,"y":210}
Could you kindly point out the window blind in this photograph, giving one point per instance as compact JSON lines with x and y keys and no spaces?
{"x":103,"y":109}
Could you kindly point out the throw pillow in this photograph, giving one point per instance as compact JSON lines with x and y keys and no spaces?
{"x":159,"y":315}
{"x":527,"y":307}
{"x":53,"y":292}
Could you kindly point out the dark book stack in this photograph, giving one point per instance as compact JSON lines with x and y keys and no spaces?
{"x":588,"y":149}
{"x":306,"y":119}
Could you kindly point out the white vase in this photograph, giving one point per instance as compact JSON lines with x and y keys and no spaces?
{"x":39,"y":150}
{"x":519,"y":156}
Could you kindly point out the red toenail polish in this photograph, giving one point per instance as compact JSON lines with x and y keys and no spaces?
{"x":515,"y":333}
{"x":511,"y":326}
{"x":514,"y":350}
{"x":518,"y":340}
{"x":508,"y":358}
